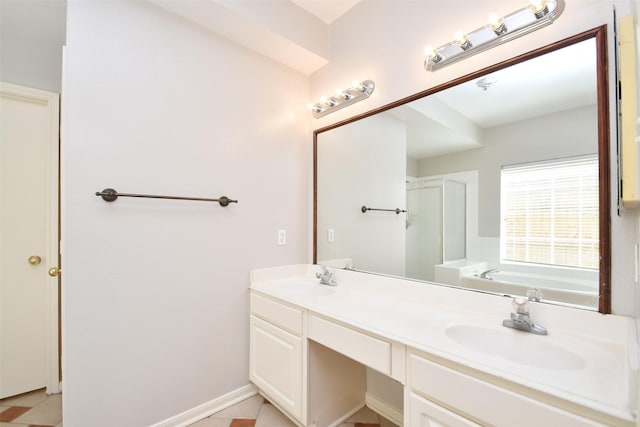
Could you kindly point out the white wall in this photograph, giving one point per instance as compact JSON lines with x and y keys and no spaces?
{"x":155,"y":295}
{"x":27,"y":63}
{"x":32,"y":34}
{"x":366,"y":164}
{"x":392,"y":55}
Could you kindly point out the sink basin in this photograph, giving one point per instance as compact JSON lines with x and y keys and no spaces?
{"x":516,"y":346}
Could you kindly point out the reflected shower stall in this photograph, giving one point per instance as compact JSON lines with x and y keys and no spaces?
{"x":436,"y":225}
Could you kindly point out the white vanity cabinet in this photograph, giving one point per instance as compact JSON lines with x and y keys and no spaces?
{"x":311,"y":346}
{"x":466,"y":400}
{"x":284,"y":361}
{"x":277,"y":359}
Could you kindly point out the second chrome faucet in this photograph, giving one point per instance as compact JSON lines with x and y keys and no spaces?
{"x":326,"y":277}
{"x":520,"y":318}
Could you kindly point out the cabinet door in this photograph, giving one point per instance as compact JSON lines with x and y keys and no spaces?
{"x":427,"y":414}
{"x":276,"y":365}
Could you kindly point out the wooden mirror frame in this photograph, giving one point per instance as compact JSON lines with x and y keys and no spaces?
{"x":604,"y":156}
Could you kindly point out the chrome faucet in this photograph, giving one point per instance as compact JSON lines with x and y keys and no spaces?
{"x":520,"y":318}
{"x":326,"y":277}
{"x":484,"y":274}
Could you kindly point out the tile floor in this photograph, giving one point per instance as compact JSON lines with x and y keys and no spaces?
{"x":34,"y":409}
{"x":37,"y":409}
{"x":256,"y":411}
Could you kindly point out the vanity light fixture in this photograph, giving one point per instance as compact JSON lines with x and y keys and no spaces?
{"x":358,"y":91}
{"x":537,"y":14}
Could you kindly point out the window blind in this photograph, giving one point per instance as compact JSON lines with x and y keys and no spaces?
{"x":550,"y":213}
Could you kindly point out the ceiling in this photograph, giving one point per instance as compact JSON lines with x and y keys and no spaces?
{"x":327,"y":10}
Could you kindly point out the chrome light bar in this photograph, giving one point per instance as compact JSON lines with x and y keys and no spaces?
{"x":536,"y":15}
{"x":343,"y":98}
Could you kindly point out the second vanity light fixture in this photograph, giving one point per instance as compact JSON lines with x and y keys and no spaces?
{"x":537,"y":14}
{"x":342,"y":98}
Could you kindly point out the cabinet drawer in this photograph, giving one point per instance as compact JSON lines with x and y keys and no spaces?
{"x":483,"y":401}
{"x":282,"y":315}
{"x":370,"y":351}
{"x":427,"y":414}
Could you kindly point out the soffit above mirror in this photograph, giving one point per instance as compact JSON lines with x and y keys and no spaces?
{"x":293,"y":33}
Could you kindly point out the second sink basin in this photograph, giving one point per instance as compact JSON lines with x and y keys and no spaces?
{"x":515,"y":346}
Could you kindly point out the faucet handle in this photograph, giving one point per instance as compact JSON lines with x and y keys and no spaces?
{"x":324,"y":272}
{"x":520,"y":305}
{"x":535,"y":294}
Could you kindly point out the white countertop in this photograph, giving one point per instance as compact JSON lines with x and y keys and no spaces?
{"x":597,"y":369}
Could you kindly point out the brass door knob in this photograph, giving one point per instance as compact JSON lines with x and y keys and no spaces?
{"x":54,"y":272}
{"x":35,"y":260}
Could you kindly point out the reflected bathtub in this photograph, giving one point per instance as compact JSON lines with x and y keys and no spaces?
{"x":568,"y":290}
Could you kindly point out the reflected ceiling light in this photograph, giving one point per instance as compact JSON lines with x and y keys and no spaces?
{"x":537,"y":14}
{"x":486,"y":82}
{"x":342,"y":98}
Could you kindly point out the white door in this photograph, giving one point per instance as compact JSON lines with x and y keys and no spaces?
{"x":29,"y":123}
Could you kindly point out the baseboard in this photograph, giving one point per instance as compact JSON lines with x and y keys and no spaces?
{"x":346,"y":416}
{"x":393,"y":414}
{"x":209,"y":408}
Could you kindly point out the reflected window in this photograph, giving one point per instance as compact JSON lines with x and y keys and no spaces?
{"x":550,"y":213}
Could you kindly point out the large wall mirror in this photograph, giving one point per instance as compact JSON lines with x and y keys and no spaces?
{"x":497,"y":181}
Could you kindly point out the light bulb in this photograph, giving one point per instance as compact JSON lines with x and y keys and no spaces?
{"x":314,"y":107}
{"x":432,"y":54}
{"x":539,"y":8}
{"x":497,"y":24}
{"x":430,"y":51}
{"x":538,"y":5}
{"x":462,"y":40}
